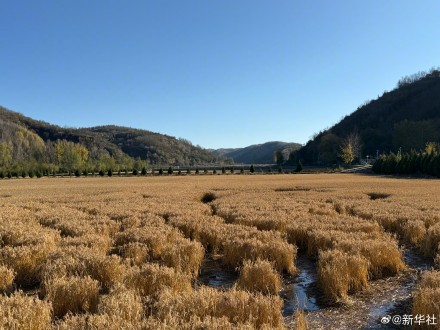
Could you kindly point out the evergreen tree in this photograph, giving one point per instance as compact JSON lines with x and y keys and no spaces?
{"x":144,"y":171}
{"x":251,"y":169}
{"x":170,"y":170}
{"x":135,"y":172}
{"x":110,"y":172}
{"x":160,"y":171}
{"x":77,"y":173}
{"x":299,"y":167}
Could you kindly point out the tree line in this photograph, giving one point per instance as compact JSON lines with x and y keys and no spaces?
{"x":21,"y":159}
{"x":426,"y":161}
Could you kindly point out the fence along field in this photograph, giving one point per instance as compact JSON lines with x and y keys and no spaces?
{"x":126,"y":253}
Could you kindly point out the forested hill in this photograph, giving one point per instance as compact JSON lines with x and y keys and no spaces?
{"x":258,"y":153}
{"x":24,"y":139}
{"x":407,"y":117}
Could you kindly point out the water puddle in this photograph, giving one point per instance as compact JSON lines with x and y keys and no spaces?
{"x":386,"y":296}
{"x":301,"y":291}
{"x":214,"y":274}
{"x":395,"y":299}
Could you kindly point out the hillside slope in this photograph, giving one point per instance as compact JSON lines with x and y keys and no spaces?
{"x":115,"y":141}
{"x":258,"y":153}
{"x":405,"y":118}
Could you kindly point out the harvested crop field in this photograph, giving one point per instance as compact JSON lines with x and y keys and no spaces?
{"x":330,"y":251}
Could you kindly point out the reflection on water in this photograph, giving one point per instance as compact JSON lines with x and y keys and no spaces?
{"x":301,"y":291}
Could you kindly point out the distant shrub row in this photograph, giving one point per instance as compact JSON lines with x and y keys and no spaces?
{"x":409,"y":163}
{"x":134,"y":172}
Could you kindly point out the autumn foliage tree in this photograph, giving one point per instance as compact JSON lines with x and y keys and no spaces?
{"x":71,"y":156}
{"x":350,"y":148}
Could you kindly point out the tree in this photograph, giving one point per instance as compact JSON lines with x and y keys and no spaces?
{"x":299,"y":167}
{"x":170,"y":170}
{"x":70,"y":156}
{"x":347,"y":154}
{"x":5,"y":154}
{"x":328,"y":148}
{"x":350,"y":148}
{"x":432,"y":148}
{"x":144,"y":171}
{"x":252,"y":169}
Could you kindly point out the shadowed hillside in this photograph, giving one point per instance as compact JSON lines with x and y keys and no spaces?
{"x":407,"y":117}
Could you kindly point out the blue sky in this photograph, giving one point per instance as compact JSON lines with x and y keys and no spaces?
{"x":224,"y":73}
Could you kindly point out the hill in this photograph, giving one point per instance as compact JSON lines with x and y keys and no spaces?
{"x":26,"y":139}
{"x":258,"y":153}
{"x":405,"y":118}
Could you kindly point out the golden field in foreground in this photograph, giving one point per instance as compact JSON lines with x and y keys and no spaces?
{"x":127,"y":252}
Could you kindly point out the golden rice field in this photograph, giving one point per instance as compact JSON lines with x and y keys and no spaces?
{"x":328,"y":251}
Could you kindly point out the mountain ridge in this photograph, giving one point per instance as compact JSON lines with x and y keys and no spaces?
{"x":262,"y":153}
{"x":117,"y":141}
{"x":405,"y":118}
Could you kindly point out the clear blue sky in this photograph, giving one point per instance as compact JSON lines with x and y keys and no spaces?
{"x":223,"y":73}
